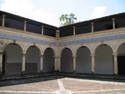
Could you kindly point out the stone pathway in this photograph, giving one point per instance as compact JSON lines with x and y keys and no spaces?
{"x":66,"y":86}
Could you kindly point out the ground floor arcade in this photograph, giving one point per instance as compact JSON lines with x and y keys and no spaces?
{"x":102,"y":61}
{"x":14,"y":61}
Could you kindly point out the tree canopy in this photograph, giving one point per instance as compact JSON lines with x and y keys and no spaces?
{"x":66,"y":19}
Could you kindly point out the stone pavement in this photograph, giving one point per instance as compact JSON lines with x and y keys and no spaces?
{"x":64,"y":86}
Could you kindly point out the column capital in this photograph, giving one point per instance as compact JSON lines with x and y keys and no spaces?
{"x":57,"y":57}
{"x":113,"y":18}
{"x":23,"y":54}
{"x":93,"y":54}
{"x":1,"y":52}
{"x":74,"y":26}
{"x":115,"y":54}
{"x":41,"y":55}
{"x":25,"y":21}
{"x":3,"y":15}
{"x":74,"y":56}
{"x":92,"y":23}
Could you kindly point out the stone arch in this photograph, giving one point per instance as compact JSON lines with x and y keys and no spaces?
{"x":12,"y":59}
{"x":65,"y":47}
{"x":83,"y":60}
{"x":48,"y":60}
{"x":99,"y":44}
{"x":118,"y":44}
{"x":66,"y":60}
{"x":121,"y":59}
{"x":32,"y":64}
{"x":104,"y":59}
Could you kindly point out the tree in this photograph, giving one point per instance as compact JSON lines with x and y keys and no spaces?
{"x":66,"y":19}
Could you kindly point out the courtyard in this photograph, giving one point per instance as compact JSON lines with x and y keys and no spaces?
{"x":53,"y":85}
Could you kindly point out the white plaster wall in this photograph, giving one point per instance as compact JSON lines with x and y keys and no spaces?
{"x":83,"y":61}
{"x":103,"y":60}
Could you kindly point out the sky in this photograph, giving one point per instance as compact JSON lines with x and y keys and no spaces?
{"x":49,"y":11}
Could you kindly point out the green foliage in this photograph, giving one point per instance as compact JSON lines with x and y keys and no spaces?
{"x":66,"y":19}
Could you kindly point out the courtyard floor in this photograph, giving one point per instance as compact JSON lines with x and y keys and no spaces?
{"x":61,"y":86}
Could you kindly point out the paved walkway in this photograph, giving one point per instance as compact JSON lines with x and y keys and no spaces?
{"x":65,"y":86}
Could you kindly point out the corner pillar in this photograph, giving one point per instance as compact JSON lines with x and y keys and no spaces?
{"x":57,"y":64}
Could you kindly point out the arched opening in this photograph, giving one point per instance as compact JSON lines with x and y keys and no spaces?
{"x":12,"y":59}
{"x":66,"y":60}
{"x":104,"y":60}
{"x":83,"y":60}
{"x":48,"y":60}
{"x":32,"y":60}
{"x":121,"y":59}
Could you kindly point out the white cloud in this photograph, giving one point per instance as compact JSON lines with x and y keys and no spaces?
{"x":26,"y":8}
{"x":99,"y":11}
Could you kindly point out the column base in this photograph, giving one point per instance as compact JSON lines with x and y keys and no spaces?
{"x":74,"y":72}
{"x":23,"y":73}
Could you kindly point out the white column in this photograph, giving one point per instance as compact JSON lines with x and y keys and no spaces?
{"x":42,"y":29}
{"x":57,"y":64}
{"x":92,"y":26}
{"x":74,"y":63}
{"x":41,"y":63}
{"x":74,"y":30}
{"x":113,"y":23}
{"x":115,"y":64}
{"x":23,"y":62}
{"x":3,"y":20}
{"x":25,"y":25}
{"x":93,"y":63}
{"x":1,"y":61}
